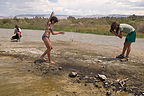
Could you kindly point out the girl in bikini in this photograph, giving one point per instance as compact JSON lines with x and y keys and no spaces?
{"x":45,"y":37}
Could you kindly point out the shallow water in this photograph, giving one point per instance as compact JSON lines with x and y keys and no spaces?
{"x":15,"y":81}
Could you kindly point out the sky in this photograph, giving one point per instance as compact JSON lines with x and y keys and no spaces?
{"x":71,"y":7}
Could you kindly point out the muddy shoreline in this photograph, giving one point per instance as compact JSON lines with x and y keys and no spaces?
{"x":85,"y":58}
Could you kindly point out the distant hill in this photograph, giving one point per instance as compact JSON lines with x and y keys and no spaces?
{"x":31,"y":15}
{"x":65,"y":16}
{"x":95,"y":16}
{"x":118,"y":15}
{"x":40,"y":15}
{"x":1,"y":16}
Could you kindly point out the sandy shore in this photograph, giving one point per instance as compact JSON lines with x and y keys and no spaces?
{"x":109,"y":44}
{"x":84,"y":53}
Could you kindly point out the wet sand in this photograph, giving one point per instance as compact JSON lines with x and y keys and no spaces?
{"x":21,"y":75}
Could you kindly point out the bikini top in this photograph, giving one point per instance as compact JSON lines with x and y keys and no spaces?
{"x":50,"y":28}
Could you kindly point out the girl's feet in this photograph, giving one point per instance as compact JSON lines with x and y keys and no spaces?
{"x":52,"y":62}
{"x":120,"y":56}
{"x":124,"y":59}
{"x":43,"y":58}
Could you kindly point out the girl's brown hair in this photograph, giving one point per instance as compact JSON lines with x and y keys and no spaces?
{"x":54,"y":18}
{"x":17,"y":27}
{"x":115,"y":26}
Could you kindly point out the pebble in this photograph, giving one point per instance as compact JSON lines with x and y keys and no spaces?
{"x":73,"y":74}
{"x":108,"y":93}
{"x":86,"y":77}
{"x":85,"y":84}
{"x":99,"y":61}
{"x":106,"y":85}
{"x":78,"y":81}
{"x":98,"y":86}
{"x":60,"y":68}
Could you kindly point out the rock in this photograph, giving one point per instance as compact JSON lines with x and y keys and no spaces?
{"x":38,"y":61}
{"x":97,"y":80}
{"x":120,"y":84}
{"x":125,"y":89}
{"x":86,"y":77}
{"x":89,"y":81}
{"x":130,"y":91}
{"x":45,"y":72}
{"x":60,"y":68}
{"x":80,"y":78}
{"x":85,"y":84}
{"x":108,"y":93}
{"x":99,"y":61}
{"x":74,"y":92}
{"x":137,"y":94}
{"x":142,"y":93}
{"x":123,"y":82}
{"x":106,"y":85}
{"x":2,"y":51}
{"x":98,"y":86}
{"x":102,"y":77}
{"x":78,"y":81}
{"x":54,"y":68}
{"x":73,"y":74}
{"x":91,"y":73}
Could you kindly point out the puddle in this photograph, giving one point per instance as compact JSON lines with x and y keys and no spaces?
{"x":16,"y":82}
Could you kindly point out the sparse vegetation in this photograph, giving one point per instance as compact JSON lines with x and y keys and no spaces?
{"x":81,"y":25}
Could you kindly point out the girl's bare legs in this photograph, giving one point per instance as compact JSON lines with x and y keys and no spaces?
{"x":48,"y":54}
{"x":49,"y":47}
{"x":19,"y":36}
{"x":42,"y":56}
{"x":11,"y":38}
{"x":126,"y":48}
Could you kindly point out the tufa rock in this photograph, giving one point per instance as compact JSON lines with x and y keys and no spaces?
{"x":73,"y":74}
{"x":102,"y":77}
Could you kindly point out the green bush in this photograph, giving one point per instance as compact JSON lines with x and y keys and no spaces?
{"x":82,"y":25}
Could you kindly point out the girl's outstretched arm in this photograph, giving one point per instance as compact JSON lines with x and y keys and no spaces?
{"x":55,"y":33}
{"x":50,"y":18}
